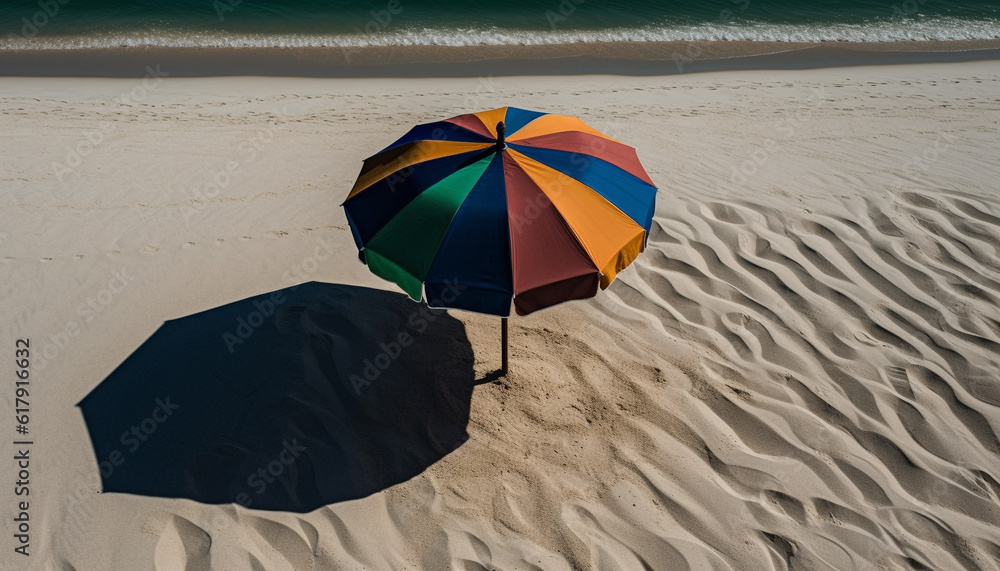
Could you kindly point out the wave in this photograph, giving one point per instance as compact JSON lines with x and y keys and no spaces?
{"x":896,"y":30}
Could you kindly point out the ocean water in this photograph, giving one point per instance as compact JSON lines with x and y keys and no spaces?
{"x":60,"y":24}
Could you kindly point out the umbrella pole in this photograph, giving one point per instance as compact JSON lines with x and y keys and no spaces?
{"x":503,"y":341}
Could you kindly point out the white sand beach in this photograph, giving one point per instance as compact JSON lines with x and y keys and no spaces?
{"x":802,"y":370}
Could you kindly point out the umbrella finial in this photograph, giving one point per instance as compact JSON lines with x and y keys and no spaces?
{"x":500,"y":135}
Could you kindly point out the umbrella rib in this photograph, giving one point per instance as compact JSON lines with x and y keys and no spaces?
{"x":396,"y":238}
{"x":420,"y":153}
{"x":603,"y":262}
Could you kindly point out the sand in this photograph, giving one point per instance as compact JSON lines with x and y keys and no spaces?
{"x":800,"y":372}
{"x":422,"y":61}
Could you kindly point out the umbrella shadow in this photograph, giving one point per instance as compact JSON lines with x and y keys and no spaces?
{"x":288,"y":401}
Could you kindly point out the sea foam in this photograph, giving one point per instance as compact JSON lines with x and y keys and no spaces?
{"x":894,"y":30}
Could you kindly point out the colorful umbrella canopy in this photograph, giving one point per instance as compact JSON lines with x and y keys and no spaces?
{"x":487,"y":208}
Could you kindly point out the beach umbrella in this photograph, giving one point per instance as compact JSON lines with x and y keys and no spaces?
{"x":498,"y":208}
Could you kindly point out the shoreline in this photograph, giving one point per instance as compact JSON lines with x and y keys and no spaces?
{"x":615,"y":58}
